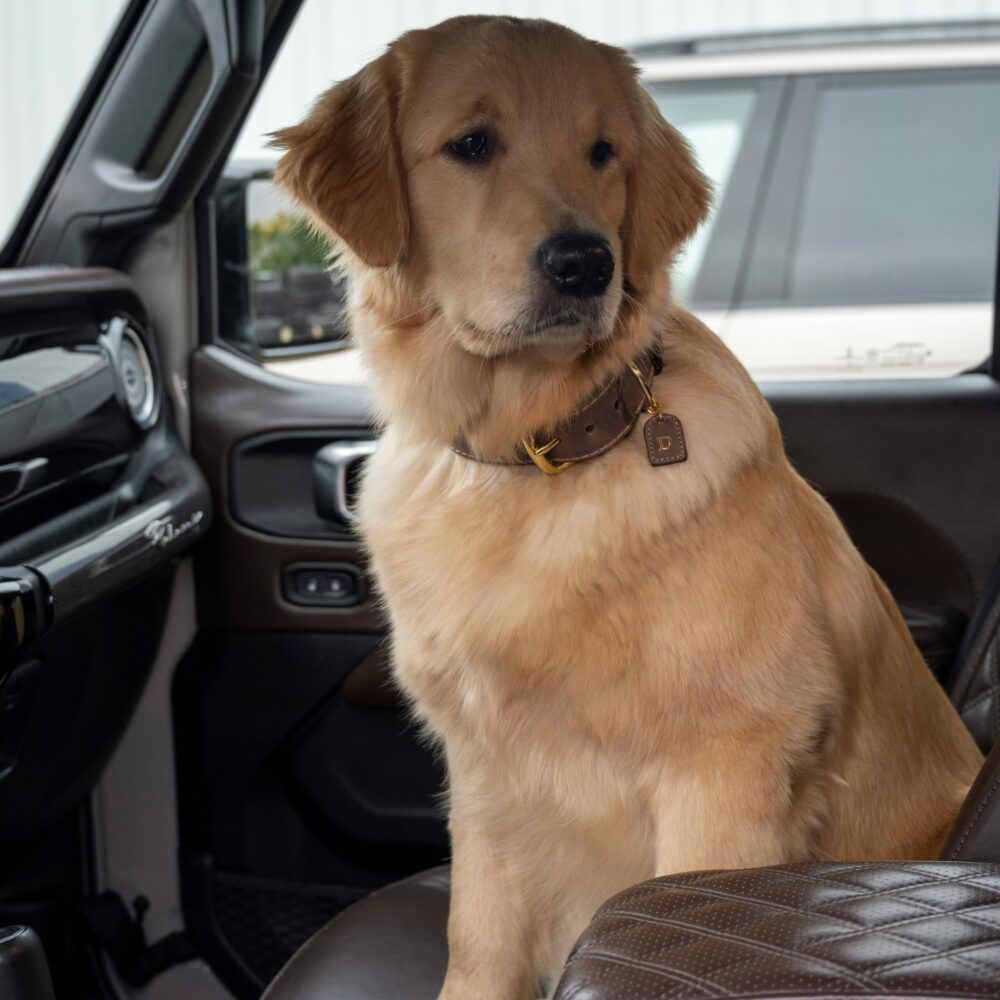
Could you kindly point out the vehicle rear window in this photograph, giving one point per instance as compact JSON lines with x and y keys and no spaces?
{"x":900,"y":194}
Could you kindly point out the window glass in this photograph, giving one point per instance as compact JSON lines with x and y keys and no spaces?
{"x":48,"y":49}
{"x":899,"y":203}
{"x":714,"y":122}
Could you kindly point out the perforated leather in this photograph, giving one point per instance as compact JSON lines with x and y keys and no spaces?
{"x":904,"y":929}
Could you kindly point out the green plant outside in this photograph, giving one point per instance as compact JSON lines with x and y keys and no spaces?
{"x":285,"y":241}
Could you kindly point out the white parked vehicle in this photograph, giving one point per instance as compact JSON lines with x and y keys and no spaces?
{"x":816,"y":262}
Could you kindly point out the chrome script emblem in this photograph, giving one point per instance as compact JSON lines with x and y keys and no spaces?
{"x":163,"y":531}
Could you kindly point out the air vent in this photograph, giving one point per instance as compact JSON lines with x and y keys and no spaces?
{"x":134,"y":372}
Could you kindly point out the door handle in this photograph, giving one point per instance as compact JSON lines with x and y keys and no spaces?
{"x":331,"y":469}
{"x":19,"y":477}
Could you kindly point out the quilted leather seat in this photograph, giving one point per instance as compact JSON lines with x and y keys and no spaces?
{"x":905,"y":930}
{"x":815,"y":930}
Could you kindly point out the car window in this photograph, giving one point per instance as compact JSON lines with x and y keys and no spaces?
{"x":899,"y":200}
{"x":714,"y":121}
{"x":885,"y":261}
{"x":45,"y":80}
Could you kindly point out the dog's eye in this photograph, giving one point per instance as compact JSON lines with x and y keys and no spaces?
{"x":601,"y":152}
{"x":470,"y":146}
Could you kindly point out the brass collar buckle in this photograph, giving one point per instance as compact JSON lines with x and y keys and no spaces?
{"x":537,"y":455}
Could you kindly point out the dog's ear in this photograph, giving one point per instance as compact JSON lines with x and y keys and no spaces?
{"x":668,"y":196}
{"x":343,"y":164}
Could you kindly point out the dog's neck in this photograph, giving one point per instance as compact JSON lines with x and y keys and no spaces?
{"x":426,"y":382}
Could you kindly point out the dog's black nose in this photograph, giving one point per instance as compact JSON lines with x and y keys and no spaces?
{"x":579,"y":264}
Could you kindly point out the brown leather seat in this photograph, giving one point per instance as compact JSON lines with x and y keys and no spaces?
{"x":893,"y":929}
{"x":391,"y":945}
{"x":974,"y":683}
{"x":901,"y":929}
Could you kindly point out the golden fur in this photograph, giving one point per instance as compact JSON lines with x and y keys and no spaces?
{"x":631,"y":670}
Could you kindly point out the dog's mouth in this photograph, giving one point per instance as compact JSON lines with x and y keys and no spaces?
{"x":564,"y":319}
{"x":530,"y":328}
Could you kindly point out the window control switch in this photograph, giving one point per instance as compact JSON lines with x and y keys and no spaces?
{"x":329,"y":585}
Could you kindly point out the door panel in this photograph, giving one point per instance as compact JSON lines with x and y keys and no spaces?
{"x":303,"y":782}
{"x":98,"y":500}
{"x":914,"y":469}
{"x":234,"y":403}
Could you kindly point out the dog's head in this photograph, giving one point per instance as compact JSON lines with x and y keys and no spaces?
{"x":511,"y":171}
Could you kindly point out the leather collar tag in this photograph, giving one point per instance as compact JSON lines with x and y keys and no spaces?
{"x":664,"y":439}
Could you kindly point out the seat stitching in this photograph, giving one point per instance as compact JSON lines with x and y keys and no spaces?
{"x":859,"y":978}
{"x":667,"y":972}
{"x":931,"y":877}
{"x":963,"y":916}
{"x":856,"y":928}
{"x":981,"y":697}
{"x":928,"y":908}
{"x":956,"y":953}
{"x":929,"y":951}
{"x":812,"y":877}
{"x":975,"y":819}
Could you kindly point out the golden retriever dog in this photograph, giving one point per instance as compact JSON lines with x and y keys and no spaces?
{"x":632,"y":667}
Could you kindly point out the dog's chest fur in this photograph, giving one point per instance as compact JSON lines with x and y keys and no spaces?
{"x":510,"y":592}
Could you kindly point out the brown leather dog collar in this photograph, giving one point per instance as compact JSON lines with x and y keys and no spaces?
{"x":605,"y":419}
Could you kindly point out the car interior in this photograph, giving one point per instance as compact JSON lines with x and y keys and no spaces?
{"x":175,"y":523}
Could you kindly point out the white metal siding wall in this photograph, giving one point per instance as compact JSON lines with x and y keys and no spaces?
{"x":47,"y":47}
{"x":47,"y":51}
{"x":333,"y":39}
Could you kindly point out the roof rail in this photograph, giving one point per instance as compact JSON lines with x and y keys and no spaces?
{"x":832,"y":35}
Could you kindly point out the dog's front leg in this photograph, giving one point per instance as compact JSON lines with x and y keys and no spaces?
{"x":732,"y":804}
{"x":491,"y":944}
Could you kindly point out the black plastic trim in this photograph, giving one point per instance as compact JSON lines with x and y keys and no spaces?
{"x":133,"y":546}
{"x":275,"y":30}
